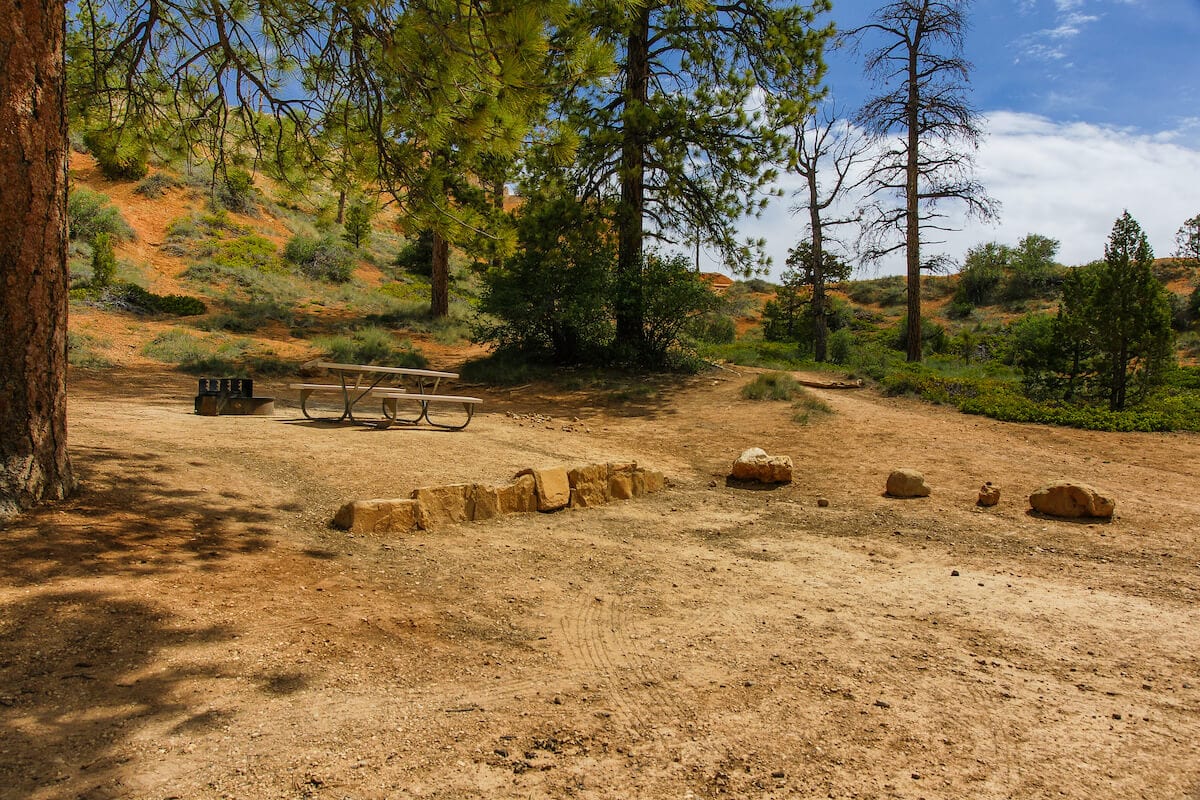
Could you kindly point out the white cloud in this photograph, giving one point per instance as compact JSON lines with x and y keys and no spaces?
{"x":1069,"y":181}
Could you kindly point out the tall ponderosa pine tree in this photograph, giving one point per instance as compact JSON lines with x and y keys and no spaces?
{"x":673,"y":138}
{"x":930,"y":131}
{"x":33,"y":258}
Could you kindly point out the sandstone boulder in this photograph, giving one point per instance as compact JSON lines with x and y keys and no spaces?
{"x":654,"y":480}
{"x":907,"y":483}
{"x":485,"y":502}
{"x":988,"y":495}
{"x":589,"y":486}
{"x":620,"y":480}
{"x":518,"y":497}
{"x":755,"y":465}
{"x":1071,"y":500}
{"x":442,"y":505}
{"x":377,"y":516}
{"x":553,"y":488}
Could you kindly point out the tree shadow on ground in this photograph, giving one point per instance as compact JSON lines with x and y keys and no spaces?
{"x":134,"y":514}
{"x":93,"y":670}
{"x":81,"y":672}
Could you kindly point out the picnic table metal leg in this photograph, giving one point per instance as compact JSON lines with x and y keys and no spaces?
{"x":468,"y":407}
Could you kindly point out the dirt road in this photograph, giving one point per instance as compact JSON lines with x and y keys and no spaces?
{"x":190,"y":627}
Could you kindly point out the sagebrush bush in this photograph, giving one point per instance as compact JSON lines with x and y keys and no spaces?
{"x":324,"y":259}
{"x":237,"y":193}
{"x":156,"y":185}
{"x":772,"y":386}
{"x":372,"y":345}
{"x":90,"y":213}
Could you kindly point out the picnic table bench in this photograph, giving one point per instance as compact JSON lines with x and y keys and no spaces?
{"x":392,"y":386}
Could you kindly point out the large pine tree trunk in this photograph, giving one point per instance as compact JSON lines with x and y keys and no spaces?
{"x":33,"y":256}
{"x":439,"y":305}
{"x":630,"y":217}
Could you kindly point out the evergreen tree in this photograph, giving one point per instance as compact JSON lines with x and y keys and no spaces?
{"x":1131,"y":314}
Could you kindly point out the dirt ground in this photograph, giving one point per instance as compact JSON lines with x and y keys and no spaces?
{"x":189,"y":626}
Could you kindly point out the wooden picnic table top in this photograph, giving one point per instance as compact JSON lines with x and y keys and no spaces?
{"x":365,"y":368}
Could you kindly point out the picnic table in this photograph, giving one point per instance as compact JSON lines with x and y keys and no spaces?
{"x":393,"y":386}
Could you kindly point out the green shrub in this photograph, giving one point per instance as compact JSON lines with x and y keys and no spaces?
{"x":104,"y":261}
{"x":119,"y":156}
{"x":194,"y":355}
{"x":552,"y":298}
{"x":323,"y":259}
{"x":714,"y":328}
{"x":841,"y":343}
{"x":758,"y":353}
{"x":771,"y":386}
{"x":758,"y":285}
{"x":136,"y":300}
{"x":237,"y":193}
{"x":248,"y":252}
{"x":90,"y":213}
{"x":504,"y":368}
{"x":672,"y":295}
{"x":933,"y":336}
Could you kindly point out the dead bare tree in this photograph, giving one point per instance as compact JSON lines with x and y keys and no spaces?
{"x":928,"y":132}
{"x":830,"y":155}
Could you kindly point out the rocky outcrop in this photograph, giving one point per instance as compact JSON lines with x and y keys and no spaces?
{"x":907,"y":483}
{"x":1072,"y":500}
{"x":755,"y":465}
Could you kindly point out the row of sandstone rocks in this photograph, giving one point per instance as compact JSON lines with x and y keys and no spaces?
{"x":1064,"y":498}
{"x":532,"y":490}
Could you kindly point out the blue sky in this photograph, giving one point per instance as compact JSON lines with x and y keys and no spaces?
{"x":1091,"y":107}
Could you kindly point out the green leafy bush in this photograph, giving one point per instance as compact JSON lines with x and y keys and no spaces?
{"x":90,"y":213}
{"x":714,"y":328}
{"x":841,"y":343}
{"x":136,"y":300}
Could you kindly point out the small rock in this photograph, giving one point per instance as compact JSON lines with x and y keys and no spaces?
{"x":822,"y":502}
{"x":988,"y":495}
{"x":755,"y":465}
{"x":907,"y":483}
{"x":953,"y":573}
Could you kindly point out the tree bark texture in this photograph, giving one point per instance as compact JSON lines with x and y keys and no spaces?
{"x":912,"y":232}
{"x":630,"y":217}
{"x":33,"y":256}
{"x":439,"y":305}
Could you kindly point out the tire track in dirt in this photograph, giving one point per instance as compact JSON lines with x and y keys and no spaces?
{"x":598,"y":640}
